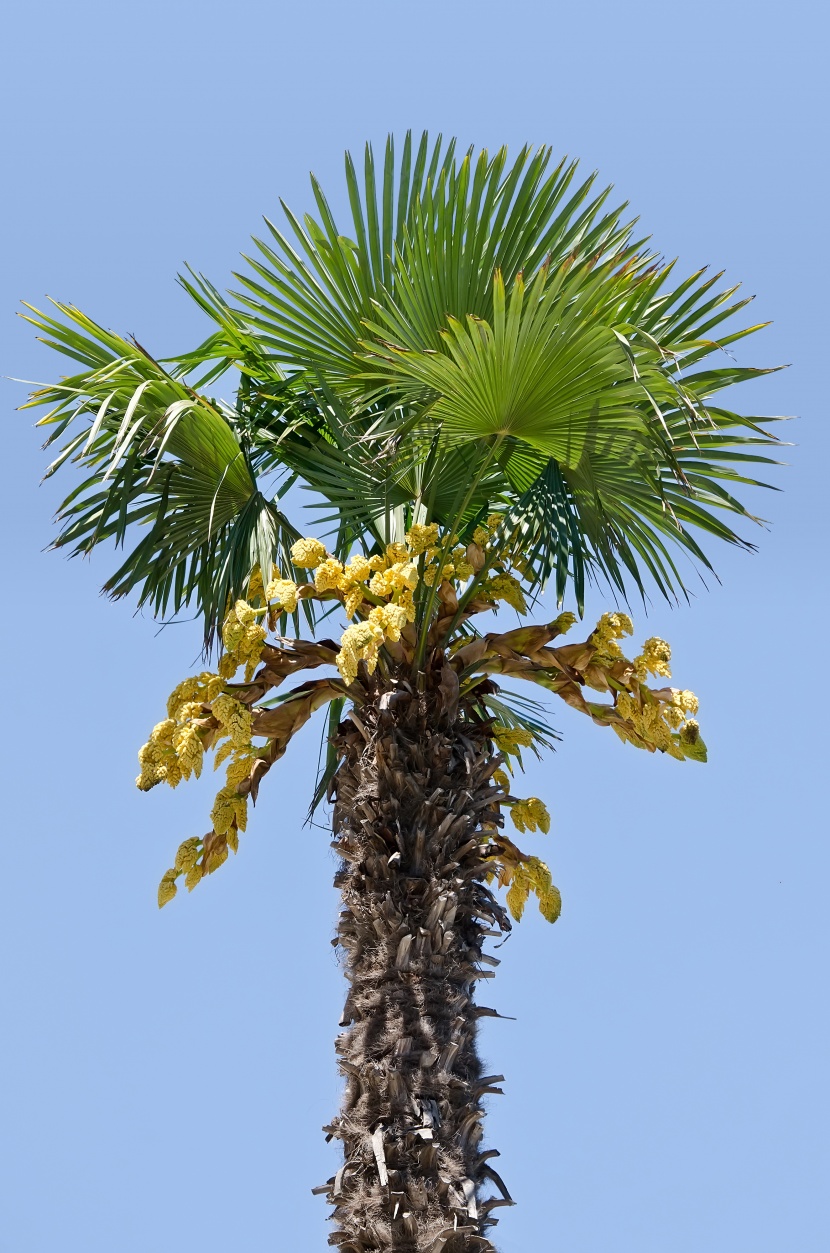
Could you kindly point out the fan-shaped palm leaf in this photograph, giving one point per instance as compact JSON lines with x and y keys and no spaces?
{"x":486,"y":337}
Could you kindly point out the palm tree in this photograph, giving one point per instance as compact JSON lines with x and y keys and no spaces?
{"x":489,"y":385}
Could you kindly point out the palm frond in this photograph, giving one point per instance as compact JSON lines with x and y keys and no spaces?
{"x":485,"y":335}
{"x":165,"y":459}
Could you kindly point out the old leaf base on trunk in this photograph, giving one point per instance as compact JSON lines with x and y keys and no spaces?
{"x":414,"y":809}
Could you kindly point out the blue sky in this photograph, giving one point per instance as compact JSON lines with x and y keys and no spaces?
{"x":165,"y":1075}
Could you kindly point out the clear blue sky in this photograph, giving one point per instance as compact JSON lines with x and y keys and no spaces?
{"x":165,"y":1075}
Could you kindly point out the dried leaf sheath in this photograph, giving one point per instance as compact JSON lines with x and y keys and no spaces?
{"x":413,"y":815}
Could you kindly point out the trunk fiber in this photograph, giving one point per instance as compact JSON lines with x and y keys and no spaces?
{"x":413,"y":803}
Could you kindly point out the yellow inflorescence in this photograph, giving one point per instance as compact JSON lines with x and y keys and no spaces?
{"x":610,"y":628}
{"x":328,"y":574}
{"x":357,"y":570}
{"x":380,"y":593}
{"x":530,"y":815}
{"x":399,"y":576}
{"x":391,"y":619}
{"x":235,"y":720}
{"x":531,"y":875}
{"x":243,"y":638}
{"x":420,"y":538}
{"x":393,"y":577}
{"x":359,"y":642}
{"x":283,"y":594}
{"x":510,"y":739}
{"x":174,"y":750}
{"x":308,"y":553}
{"x":433,"y":575}
{"x":200,"y":710}
{"x":654,"y":659}
{"x":507,"y":588}
{"x":655,"y":721}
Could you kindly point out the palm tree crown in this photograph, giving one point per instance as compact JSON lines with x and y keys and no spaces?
{"x":489,"y":338}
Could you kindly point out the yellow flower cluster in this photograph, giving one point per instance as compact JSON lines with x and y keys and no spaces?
{"x":505,"y":587}
{"x":531,"y":875}
{"x":174,"y":750}
{"x":483,"y":534}
{"x":654,"y":721}
{"x":682,"y":704}
{"x":434,"y":574}
{"x":391,"y":619}
{"x":358,"y":569}
{"x":685,"y":700}
{"x":283,"y":594}
{"x":610,"y":628}
{"x":187,"y":864}
{"x":308,"y":553}
{"x":328,"y":575}
{"x":510,"y":739}
{"x":359,"y":642}
{"x":235,"y":720}
{"x":392,"y":576}
{"x":564,"y":622}
{"x":230,"y":810}
{"x":399,"y":576}
{"x":530,"y":815}
{"x":243,"y":638}
{"x":201,"y":688}
{"x":654,"y":659}
{"x":176,"y":746}
{"x":420,"y":538}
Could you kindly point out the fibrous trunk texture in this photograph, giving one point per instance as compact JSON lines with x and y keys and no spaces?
{"x":412,"y":812}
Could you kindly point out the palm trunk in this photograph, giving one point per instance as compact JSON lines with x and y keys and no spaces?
{"x":413,"y":799}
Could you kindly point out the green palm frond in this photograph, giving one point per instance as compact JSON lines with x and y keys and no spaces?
{"x":507,"y":305}
{"x":432,"y":223}
{"x":484,"y":336}
{"x":163,"y":463}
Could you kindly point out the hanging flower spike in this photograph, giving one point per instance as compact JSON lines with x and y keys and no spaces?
{"x":234,"y":719}
{"x":531,"y":875}
{"x":507,"y":588}
{"x":243,"y":638}
{"x":174,"y":750}
{"x":359,"y":642}
{"x":530,"y":815}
